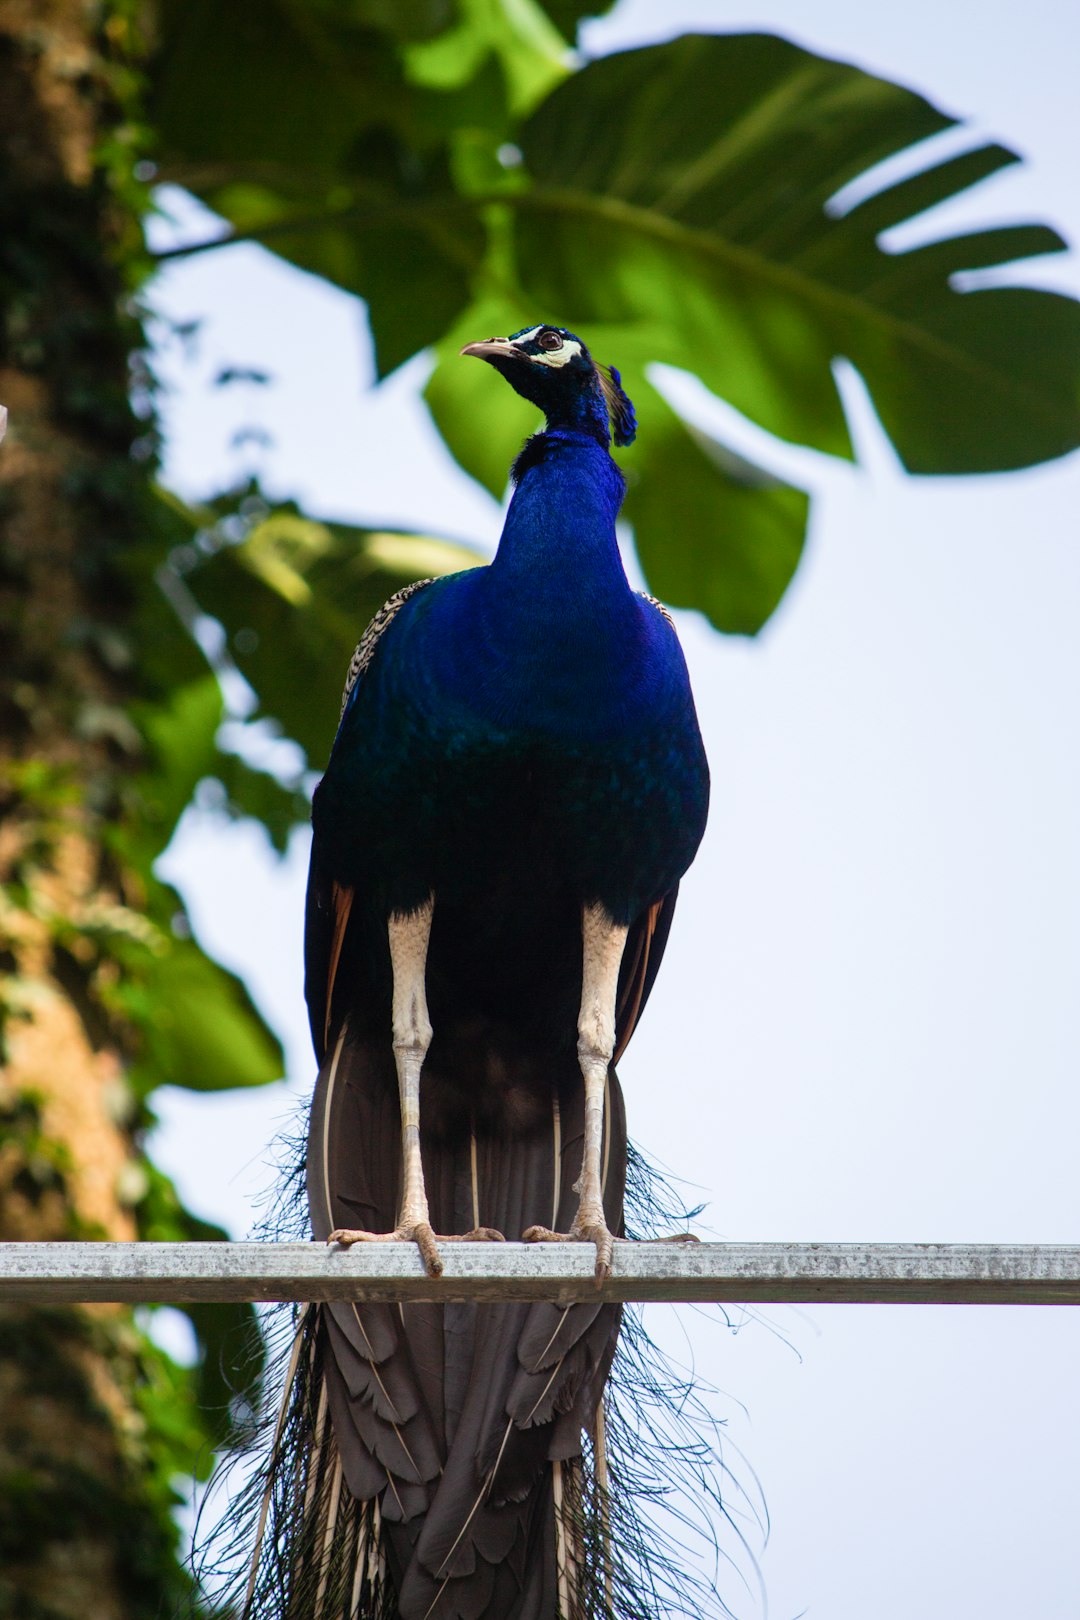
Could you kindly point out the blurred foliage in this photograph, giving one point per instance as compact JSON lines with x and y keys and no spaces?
{"x":225,"y":1380}
{"x":57,"y":1361}
{"x":136,"y":974}
{"x":685,"y":203}
{"x":64,"y":1362}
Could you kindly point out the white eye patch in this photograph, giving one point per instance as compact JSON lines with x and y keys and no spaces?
{"x":559,"y":357}
{"x":548,"y":357}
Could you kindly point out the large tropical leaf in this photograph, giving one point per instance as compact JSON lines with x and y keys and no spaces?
{"x":689,"y":186}
{"x":713,"y":531}
{"x":683,"y":203}
{"x":680,"y":211}
{"x":519,"y":36}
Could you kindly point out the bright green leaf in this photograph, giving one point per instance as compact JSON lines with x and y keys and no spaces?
{"x":712,"y":531}
{"x":277,"y":806}
{"x":199,"y":1026}
{"x":688,"y":185}
{"x":180,"y":737}
{"x":530,"y":50}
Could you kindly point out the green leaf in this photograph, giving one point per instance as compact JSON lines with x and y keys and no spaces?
{"x":294,"y":598}
{"x":713,"y":531}
{"x":688,"y":186}
{"x":277,"y":806}
{"x":175,"y":1436}
{"x":297,"y":124}
{"x":180,"y":736}
{"x":684,"y":203}
{"x":531,"y":52}
{"x":406,"y":20}
{"x":200,"y":1027}
{"x":268,"y":82}
{"x":166,"y":655}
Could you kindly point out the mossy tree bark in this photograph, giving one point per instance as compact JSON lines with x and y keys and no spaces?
{"x":84,"y":1519}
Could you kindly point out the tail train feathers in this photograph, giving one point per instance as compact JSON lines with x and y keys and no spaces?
{"x":654,"y":1497}
{"x":321,"y":1554}
{"x":452,"y":1429}
{"x":317,"y":1553}
{"x":459,"y":1462}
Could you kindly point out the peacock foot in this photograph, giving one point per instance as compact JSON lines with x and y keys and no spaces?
{"x":420,"y":1233}
{"x":583,"y":1230}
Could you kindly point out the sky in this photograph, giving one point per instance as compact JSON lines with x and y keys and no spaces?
{"x":867,"y":1023}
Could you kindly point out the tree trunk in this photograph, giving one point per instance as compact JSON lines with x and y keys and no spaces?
{"x":84,"y":1523}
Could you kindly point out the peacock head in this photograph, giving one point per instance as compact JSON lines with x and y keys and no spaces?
{"x":554,"y":370}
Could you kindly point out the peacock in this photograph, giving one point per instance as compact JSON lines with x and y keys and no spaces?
{"x":516,"y":788}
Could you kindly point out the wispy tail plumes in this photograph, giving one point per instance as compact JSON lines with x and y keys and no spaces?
{"x":647,"y":1519}
{"x":316,"y":1552}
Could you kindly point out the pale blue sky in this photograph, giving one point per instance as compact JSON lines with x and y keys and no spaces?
{"x":867,"y":1025}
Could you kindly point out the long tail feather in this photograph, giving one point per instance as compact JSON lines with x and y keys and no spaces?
{"x":316,"y":1549}
{"x":645,"y":1520}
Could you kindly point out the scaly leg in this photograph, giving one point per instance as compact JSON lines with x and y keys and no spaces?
{"x":412,"y":1036}
{"x":603,"y":943}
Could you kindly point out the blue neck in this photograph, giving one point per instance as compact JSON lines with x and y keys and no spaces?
{"x":558,"y":541}
{"x":570,"y":403}
{"x":553,"y":616}
{"x":584,"y":412}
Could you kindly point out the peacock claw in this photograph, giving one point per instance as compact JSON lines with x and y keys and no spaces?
{"x":595,"y":1232}
{"x":420,"y":1233}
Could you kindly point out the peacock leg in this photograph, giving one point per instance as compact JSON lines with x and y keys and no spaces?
{"x":409,"y":936}
{"x":603,"y":942}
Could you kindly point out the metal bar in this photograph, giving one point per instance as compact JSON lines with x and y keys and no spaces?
{"x":837,"y":1273}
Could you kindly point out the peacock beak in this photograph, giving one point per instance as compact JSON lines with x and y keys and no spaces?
{"x":495,"y":349}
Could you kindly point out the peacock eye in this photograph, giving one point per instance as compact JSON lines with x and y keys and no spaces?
{"x":550,"y":340}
